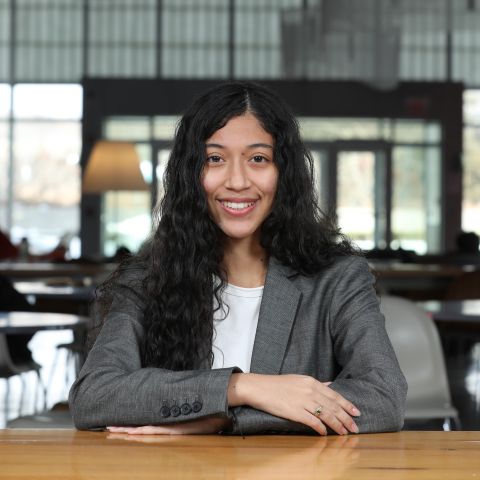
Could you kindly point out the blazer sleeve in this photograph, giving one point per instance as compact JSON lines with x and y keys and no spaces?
{"x":368,"y":372}
{"x":114,"y":389}
{"x":250,"y":421}
{"x":370,"y":376}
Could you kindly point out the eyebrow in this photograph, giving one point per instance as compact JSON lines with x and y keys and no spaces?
{"x":253,"y":145}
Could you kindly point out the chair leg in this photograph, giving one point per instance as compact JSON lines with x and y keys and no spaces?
{"x":70,"y":363}
{"x":7,"y":398}
{"x":73,"y":366}
{"x":447,"y":424}
{"x":22,"y":395}
{"x":43,"y":388}
{"x":457,"y":423}
{"x":53,"y":368}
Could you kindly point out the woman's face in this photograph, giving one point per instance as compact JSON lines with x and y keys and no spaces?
{"x":240,"y":176}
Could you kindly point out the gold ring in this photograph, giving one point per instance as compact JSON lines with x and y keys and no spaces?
{"x":318,"y":411}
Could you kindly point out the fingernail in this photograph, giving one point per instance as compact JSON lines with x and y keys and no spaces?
{"x":355,"y":429}
{"x":356,"y":412}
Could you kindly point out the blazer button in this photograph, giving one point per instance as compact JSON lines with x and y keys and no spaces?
{"x":165,"y":412}
{"x":197,"y":406}
{"x":175,"y":411}
{"x":186,"y":409}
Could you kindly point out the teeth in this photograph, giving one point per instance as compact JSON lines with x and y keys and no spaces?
{"x":238,"y":205}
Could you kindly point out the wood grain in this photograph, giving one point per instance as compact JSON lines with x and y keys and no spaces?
{"x":68,"y":454}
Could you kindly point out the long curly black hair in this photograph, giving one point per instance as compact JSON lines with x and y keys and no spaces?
{"x":181,"y":264}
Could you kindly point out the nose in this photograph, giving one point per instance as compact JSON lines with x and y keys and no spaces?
{"x":237,"y":176}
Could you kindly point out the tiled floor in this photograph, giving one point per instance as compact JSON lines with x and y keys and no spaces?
{"x":463,"y":369}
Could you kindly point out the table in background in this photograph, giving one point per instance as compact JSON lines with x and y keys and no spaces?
{"x":458,"y":323}
{"x":415,"y":280}
{"x":82,"y":455}
{"x":31,"y":322}
{"x":70,"y":270}
{"x":465,"y":312}
{"x":57,"y":298}
{"x":455,"y":318}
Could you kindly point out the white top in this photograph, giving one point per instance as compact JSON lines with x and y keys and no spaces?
{"x":234,"y":334}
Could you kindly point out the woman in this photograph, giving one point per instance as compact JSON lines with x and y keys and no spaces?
{"x":243,"y":274}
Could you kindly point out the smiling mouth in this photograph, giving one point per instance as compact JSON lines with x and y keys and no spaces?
{"x":238,"y":207}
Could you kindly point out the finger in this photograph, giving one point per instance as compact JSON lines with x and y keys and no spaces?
{"x":117,"y":429}
{"x":143,"y":430}
{"x":150,"y":430}
{"x":313,"y":422}
{"x":335,"y":417}
{"x":332,"y":421}
{"x":343,"y":417}
{"x":149,"y":439}
{"x":341,"y":400}
{"x":349,"y":407}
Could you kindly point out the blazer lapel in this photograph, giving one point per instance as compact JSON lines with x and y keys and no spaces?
{"x":277,"y":314}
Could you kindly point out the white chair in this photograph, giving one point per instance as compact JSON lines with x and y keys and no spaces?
{"x":416,"y":342}
{"x":10,"y":369}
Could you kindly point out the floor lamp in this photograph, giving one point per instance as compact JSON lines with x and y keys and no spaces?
{"x":113,"y":166}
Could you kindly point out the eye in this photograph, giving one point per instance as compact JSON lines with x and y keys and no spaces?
{"x":259,"y":159}
{"x":214,"y":159}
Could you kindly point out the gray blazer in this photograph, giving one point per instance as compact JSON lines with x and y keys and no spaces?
{"x":327,"y":326}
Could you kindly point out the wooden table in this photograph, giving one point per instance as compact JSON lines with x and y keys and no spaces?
{"x":415,"y":280}
{"x":458,"y":323}
{"x":43,"y":291}
{"x":70,"y":270}
{"x":57,"y":298}
{"x":454,"y":311}
{"x":67,"y":454}
{"x":31,"y":322}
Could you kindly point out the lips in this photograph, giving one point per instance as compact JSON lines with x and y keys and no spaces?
{"x":238,"y":208}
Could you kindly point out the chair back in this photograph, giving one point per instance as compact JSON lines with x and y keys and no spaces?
{"x":416,"y":342}
{"x":7,"y":368}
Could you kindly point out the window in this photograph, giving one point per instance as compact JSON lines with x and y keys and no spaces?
{"x":471,"y":162}
{"x":356,"y":196}
{"x":360,"y":152}
{"x":354,"y":153}
{"x":46,"y":171}
{"x":195,"y":38}
{"x":126,"y":219}
{"x":416,"y":198}
{"x":5,"y":93}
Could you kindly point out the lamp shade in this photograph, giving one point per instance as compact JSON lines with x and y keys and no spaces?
{"x":113,"y":166}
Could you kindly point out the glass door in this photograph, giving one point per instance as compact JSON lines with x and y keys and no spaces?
{"x":363,"y":191}
{"x":416,"y":198}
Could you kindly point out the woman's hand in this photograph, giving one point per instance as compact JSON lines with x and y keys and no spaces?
{"x":203,"y":426}
{"x":294,"y":397}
